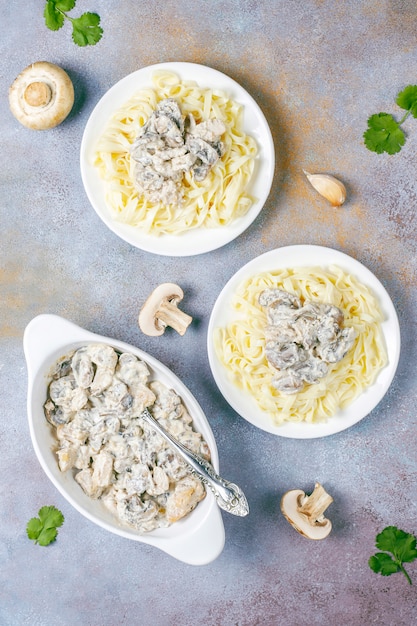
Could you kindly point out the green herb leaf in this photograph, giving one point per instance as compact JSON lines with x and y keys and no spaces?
{"x":407,"y":99}
{"x":64,"y":5}
{"x":43,"y":529}
{"x":54,"y":20}
{"x":86,"y":29}
{"x":400,"y":544}
{"x":382,"y":563}
{"x":384,"y":134}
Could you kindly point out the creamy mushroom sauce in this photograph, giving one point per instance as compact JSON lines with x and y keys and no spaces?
{"x":302,"y":339}
{"x":169,"y":145}
{"x":94,"y":402}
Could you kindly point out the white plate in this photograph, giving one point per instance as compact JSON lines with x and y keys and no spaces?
{"x":297,"y":256}
{"x":199,"y":240}
{"x":198,"y":538}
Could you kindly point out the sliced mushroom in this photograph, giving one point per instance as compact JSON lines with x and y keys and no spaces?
{"x":160,"y":310}
{"x":41,"y":96}
{"x":306,"y":513}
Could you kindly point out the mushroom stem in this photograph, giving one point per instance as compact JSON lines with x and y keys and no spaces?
{"x":314,"y":505}
{"x":38,"y":94}
{"x":168,"y":314}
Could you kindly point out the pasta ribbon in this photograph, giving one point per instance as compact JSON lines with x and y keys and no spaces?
{"x":240,"y":346}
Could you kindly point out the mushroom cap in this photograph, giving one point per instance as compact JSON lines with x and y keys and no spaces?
{"x":41,"y":96}
{"x":148,"y":320}
{"x":290,"y":503}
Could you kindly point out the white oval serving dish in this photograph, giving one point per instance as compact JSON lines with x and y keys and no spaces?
{"x":197,"y":539}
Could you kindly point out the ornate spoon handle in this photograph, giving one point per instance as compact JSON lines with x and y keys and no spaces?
{"x":229,"y":496}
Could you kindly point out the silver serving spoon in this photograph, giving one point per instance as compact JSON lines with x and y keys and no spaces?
{"x":228,"y":496}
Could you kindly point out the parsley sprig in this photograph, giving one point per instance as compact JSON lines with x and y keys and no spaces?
{"x":43,"y":529}
{"x":402,"y":547}
{"x":86,"y":29}
{"x":384,"y":133}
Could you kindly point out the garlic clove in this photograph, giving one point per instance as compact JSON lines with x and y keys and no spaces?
{"x":329,"y":187}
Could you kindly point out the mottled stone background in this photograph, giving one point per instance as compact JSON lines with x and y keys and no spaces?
{"x":318,"y":70}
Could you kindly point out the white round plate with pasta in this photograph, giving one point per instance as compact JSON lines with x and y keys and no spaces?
{"x":195,"y":240}
{"x":243,"y":400}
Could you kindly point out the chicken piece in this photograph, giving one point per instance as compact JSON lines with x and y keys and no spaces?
{"x":67,"y":457}
{"x":131,"y":370}
{"x":105,"y":359}
{"x":167,"y":403}
{"x":82,"y":368}
{"x":210,"y":130}
{"x":137,"y":480}
{"x":85,"y":479}
{"x":187,"y":494}
{"x":159,"y":482}
{"x":102,"y":469}
{"x":287,"y":382}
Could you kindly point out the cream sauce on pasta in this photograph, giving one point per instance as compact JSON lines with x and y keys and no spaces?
{"x":240,"y":345}
{"x":214,"y":202}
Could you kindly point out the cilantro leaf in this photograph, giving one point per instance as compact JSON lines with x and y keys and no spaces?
{"x":86,"y":29}
{"x":43,"y":529}
{"x":54,"y":20}
{"x":34,"y":528}
{"x":64,"y":5}
{"x":382,"y":563}
{"x":383,"y":134}
{"x":400,"y":544}
{"x":47,"y":536}
{"x":407,"y":99}
{"x":50,"y":517}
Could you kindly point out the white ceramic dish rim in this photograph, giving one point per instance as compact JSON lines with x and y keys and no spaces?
{"x":296,"y":256}
{"x":197,"y":539}
{"x":200,"y":240}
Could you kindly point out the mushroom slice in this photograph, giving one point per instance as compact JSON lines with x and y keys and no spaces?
{"x":306,"y":513}
{"x":41,"y":96}
{"x":160,"y":310}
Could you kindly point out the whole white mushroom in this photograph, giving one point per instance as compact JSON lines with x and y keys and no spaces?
{"x":42,"y":96}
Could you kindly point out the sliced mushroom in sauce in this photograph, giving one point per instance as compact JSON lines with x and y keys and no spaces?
{"x":301,"y":339}
{"x":170,"y":144}
{"x":94,"y":404}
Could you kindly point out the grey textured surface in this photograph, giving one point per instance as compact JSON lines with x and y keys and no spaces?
{"x":318,"y":70}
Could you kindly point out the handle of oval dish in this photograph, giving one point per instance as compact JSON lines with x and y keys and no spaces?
{"x":201,"y":546}
{"x":44,"y":334}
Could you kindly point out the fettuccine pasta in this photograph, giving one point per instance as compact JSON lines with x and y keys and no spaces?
{"x":216,"y":201}
{"x":240,"y":346}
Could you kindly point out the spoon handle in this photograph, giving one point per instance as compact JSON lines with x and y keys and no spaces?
{"x":229,"y":496}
